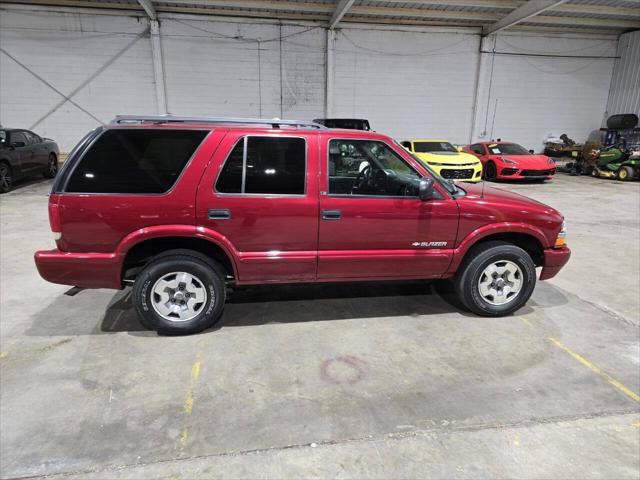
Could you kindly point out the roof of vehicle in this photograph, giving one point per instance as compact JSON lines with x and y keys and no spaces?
{"x":427,"y":140}
{"x":230,"y":123}
{"x":492,"y":142}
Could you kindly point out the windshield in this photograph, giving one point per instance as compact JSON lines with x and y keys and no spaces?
{"x":433,"y":147}
{"x":448,"y":185}
{"x":507,"y":149}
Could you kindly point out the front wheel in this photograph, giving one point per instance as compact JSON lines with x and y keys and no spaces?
{"x":495,"y":279}
{"x":52,"y":167}
{"x":625,"y":173}
{"x":6,"y":179}
{"x":490,"y":171}
{"x":179,"y":293}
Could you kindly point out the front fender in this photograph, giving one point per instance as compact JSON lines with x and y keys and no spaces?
{"x":492,"y":229}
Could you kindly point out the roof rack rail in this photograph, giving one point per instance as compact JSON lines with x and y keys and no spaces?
{"x":274,"y":122}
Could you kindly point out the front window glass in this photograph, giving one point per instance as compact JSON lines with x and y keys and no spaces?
{"x":369,"y":167}
{"x":507,"y":149}
{"x":433,"y":147}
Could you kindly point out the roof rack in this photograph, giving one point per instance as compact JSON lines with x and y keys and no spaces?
{"x":274,"y":122}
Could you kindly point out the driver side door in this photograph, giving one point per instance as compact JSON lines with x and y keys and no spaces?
{"x":376,"y":229}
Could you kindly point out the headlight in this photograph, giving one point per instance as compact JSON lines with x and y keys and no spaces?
{"x":560,"y":239}
{"x":433,"y":163}
{"x":508,"y":160}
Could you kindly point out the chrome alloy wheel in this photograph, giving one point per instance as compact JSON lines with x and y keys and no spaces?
{"x":500,"y":282}
{"x":178,"y":296}
{"x":5,"y":177}
{"x":53,"y":166}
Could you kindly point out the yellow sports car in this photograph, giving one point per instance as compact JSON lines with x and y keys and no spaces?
{"x":446,"y":159}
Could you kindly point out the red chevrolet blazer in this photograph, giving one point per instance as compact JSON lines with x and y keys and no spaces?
{"x":178,"y":207}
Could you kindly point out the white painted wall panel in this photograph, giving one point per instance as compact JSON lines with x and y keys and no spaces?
{"x":103,"y":61}
{"x":624,"y":96}
{"x":539,"y":95}
{"x":409,"y":84}
{"x":243,"y":69}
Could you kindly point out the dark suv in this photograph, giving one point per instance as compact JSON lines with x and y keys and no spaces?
{"x":177,"y":207}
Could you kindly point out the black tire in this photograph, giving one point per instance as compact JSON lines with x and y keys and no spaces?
{"x":625,"y":173}
{"x":208,"y":274}
{"x":52,"y":167}
{"x":6,"y":177}
{"x":490,"y":171}
{"x":476,"y":261}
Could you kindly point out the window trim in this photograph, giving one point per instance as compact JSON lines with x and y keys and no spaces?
{"x":350,"y":195}
{"x":245,"y":139}
{"x":86,"y":148}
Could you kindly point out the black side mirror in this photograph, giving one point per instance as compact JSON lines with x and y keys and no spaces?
{"x":425,"y":191}
{"x":18,"y":144}
{"x":531,"y":151}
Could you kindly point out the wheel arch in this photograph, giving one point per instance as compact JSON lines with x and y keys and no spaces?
{"x":531,"y":241}
{"x":137,"y":249}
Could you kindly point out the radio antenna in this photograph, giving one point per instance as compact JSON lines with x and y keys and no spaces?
{"x":484,"y":182}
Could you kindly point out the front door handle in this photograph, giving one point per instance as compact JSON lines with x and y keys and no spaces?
{"x":219,"y":214}
{"x":331,"y":214}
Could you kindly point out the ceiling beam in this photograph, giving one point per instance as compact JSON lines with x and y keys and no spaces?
{"x":526,"y":11}
{"x":149,"y":8}
{"x":338,"y":13}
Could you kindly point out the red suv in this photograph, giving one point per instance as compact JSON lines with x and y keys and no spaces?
{"x":178,"y":207}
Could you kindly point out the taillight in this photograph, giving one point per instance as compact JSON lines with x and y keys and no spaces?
{"x":54,"y":218}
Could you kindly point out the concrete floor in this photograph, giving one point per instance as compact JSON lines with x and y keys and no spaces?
{"x":341,"y":381}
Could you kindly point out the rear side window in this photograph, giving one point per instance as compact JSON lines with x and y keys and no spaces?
{"x":135,"y":161}
{"x":265,"y":165}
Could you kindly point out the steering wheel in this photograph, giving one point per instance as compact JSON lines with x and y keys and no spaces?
{"x":363,"y":179}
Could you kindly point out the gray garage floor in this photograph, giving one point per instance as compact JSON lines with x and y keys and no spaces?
{"x":331,"y":381}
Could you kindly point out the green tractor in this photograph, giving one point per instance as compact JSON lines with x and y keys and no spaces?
{"x":617,"y":161}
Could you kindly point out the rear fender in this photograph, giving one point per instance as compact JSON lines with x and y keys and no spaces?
{"x":160,"y":231}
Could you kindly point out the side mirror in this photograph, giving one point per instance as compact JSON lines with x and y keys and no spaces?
{"x":531,"y":151}
{"x":425,"y":191}
{"x":18,"y":144}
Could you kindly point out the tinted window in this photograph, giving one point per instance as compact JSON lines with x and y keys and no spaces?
{"x":19,"y":137}
{"x":274,"y":165}
{"x":436,"y":147}
{"x":230,"y":179}
{"x":134,"y":161}
{"x":477,"y":148}
{"x":507,"y":148}
{"x":369,"y":167}
{"x":33,"y":138}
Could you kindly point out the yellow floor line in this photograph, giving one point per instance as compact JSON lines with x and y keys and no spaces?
{"x":188,"y":401}
{"x":627,"y":391}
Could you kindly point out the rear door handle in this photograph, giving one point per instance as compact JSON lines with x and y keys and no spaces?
{"x":219,"y":214}
{"x":331,"y":214}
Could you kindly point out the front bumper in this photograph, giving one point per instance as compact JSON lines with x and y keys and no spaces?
{"x":88,"y":270}
{"x":554,"y":260}
{"x":471,"y":172}
{"x":511,"y":173}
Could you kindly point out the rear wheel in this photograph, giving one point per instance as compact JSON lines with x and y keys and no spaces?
{"x":179,"y":293}
{"x":490,"y":171}
{"x":625,"y":173}
{"x":495,"y":279}
{"x":52,"y":166}
{"x":6,"y":178}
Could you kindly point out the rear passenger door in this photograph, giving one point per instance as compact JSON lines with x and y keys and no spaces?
{"x":261,"y":192}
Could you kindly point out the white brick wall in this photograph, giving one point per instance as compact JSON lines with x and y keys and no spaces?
{"x":541,"y":95}
{"x":409,"y":82}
